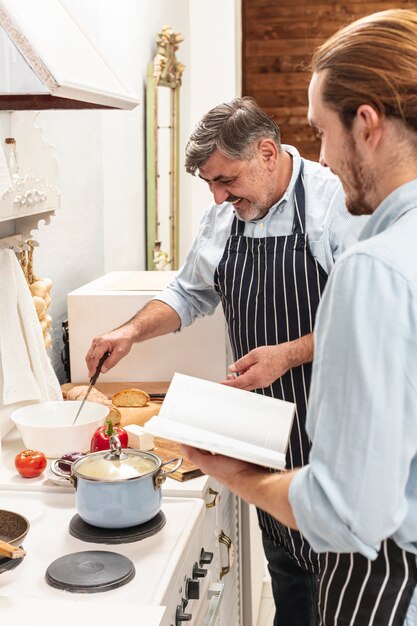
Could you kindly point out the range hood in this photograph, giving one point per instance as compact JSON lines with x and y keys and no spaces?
{"x":48,"y":62}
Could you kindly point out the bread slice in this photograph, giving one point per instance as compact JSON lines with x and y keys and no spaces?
{"x":130,"y":397}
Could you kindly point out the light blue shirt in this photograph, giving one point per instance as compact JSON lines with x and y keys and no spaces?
{"x":360,"y":486}
{"x":330,"y":228}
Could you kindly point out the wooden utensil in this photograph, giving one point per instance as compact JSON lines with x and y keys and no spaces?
{"x":12,"y":552}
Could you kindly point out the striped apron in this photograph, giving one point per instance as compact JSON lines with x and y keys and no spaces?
{"x":270,"y":289}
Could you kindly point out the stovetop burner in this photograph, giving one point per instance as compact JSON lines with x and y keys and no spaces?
{"x":7,"y":564}
{"x":90,"y":572}
{"x":86,"y":532}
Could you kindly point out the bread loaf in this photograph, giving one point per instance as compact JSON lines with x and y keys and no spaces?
{"x":78,"y":393}
{"x":130,"y":397}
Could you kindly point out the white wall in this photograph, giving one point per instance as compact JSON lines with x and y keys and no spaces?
{"x":100,"y":226}
{"x":215,"y":73}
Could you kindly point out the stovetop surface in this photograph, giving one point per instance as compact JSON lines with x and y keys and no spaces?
{"x":157,"y":559}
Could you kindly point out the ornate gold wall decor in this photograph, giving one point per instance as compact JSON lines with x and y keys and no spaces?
{"x":162,"y":150}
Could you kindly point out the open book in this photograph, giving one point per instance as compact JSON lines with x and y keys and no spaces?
{"x":211,"y":416}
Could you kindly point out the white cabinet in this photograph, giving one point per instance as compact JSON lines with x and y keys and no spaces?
{"x":221,"y":537}
{"x":106,"y":303}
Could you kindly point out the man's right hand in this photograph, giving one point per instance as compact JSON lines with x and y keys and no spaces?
{"x":155,"y":319}
{"x":117,"y":342}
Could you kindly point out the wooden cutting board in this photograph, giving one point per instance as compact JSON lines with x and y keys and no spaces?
{"x":165,"y":449}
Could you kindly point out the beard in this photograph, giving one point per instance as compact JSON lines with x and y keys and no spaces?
{"x":257,"y":209}
{"x":359,"y":182}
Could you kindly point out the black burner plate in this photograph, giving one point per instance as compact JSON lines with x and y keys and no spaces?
{"x":86,"y":532}
{"x":7,"y":564}
{"x":90,"y":572}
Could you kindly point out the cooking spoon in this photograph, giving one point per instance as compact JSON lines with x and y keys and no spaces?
{"x":93,"y":381}
{"x":12,"y":552}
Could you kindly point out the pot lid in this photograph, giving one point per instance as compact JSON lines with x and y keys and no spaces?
{"x":103,"y":466}
{"x":48,"y":62}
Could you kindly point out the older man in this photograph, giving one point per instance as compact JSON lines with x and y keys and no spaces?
{"x":263,"y":250}
{"x":356,"y":500}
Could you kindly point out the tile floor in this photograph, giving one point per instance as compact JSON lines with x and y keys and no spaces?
{"x":267,"y":608}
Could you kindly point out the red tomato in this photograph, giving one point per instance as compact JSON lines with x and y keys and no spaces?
{"x":30,"y":463}
{"x":101,"y":438}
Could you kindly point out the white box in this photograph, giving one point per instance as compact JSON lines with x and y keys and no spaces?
{"x":106,"y":303}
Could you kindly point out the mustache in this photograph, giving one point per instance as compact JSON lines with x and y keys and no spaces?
{"x":232,"y":198}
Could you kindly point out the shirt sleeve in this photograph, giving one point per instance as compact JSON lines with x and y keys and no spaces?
{"x":192,"y":294}
{"x":362,"y":415}
{"x":341,"y":228}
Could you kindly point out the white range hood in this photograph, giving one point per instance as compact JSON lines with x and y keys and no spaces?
{"x":48,"y":62}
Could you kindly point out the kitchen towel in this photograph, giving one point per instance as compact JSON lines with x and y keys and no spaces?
{"x":26,"y":373}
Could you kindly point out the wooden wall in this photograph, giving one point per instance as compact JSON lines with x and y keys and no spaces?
{"x":279,"y":37}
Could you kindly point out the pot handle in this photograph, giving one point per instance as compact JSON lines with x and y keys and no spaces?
{"x":161,"y":475}
{"x":55,"y":469}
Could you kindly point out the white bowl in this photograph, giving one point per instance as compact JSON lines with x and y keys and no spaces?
{"x":47,"y":426}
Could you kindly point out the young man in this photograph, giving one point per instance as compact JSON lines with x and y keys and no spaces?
{"x":357,"y":497}
{"x":263,"y":250}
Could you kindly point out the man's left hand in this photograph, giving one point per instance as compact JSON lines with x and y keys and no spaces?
{"x":260,"y":367}
{"x":237,"y":475}
{"x":253,"y":483}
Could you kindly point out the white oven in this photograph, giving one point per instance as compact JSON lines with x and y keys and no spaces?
{"x":196,"y":552}
{"x":171,"y":568}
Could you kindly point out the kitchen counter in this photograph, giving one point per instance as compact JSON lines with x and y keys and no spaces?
{"x":193,"y":488}
{"x":22,"y":609}
{"x":10,"y":480}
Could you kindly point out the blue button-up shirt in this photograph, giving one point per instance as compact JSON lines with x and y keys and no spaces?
{"x":329,"y":226}
{"x":360,"y":486}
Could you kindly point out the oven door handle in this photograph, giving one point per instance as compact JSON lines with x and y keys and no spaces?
{"x":215,"y":594}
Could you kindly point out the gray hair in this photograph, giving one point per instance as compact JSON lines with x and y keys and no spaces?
{"x":234,"y":129}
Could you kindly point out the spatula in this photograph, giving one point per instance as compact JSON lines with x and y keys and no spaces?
{"x":12,"y":552}
{"x":93,"y":381}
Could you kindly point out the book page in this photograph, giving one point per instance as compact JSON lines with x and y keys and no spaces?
{"x":234,"y":413}
{"x":206,"y":440}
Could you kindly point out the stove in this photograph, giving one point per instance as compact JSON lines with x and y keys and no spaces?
{"x":161,"y":569}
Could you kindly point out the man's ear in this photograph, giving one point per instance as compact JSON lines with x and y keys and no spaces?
{"x":368,"y":126}
{"x":268,"y":151}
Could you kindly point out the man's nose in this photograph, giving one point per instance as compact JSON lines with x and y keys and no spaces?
{"x":219,"y":192}
{"x":322,"y":160}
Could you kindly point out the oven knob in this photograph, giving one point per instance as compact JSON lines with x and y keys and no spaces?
{"x":205,"y":557}
{"x":192,"y":589}
{"x":198,"y":572}
{"x":180,"y":616}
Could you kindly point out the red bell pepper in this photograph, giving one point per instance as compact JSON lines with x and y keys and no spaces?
{"x":101,"y":438}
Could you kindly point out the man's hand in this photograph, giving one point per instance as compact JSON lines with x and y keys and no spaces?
{"x":263,"y":366}
{"x":118,"y":342}
{"x":257,"y":485}
{"x":236,"y":475}
{"x":155,"y":319}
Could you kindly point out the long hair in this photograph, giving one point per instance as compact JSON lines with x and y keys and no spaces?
{"x":233,"y":128}
{"x":372,"y":61}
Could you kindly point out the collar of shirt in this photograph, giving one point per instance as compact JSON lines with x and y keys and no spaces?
{"x":278,"y":207}
{"x":394,"y":206}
